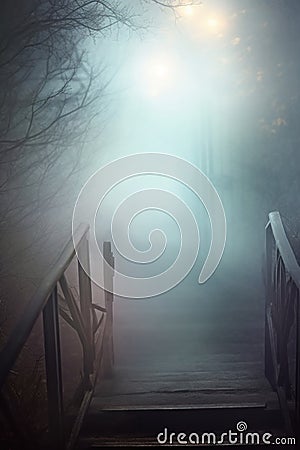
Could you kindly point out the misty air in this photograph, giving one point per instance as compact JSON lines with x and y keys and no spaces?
{"x":150,"y":250}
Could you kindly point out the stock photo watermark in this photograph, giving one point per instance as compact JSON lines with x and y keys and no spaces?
{"x":163,"y":166}
{"x":239,"y":436}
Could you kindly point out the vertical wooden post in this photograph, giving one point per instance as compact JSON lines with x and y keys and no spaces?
{"x":108,"y":349}
{"x":269,"y":363}
{"x":85,"y":292}
{"x":269,"y":243}
{"x":53,"y":372}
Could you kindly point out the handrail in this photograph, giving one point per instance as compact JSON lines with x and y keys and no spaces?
{"x":284,"y":247}
{"x":22,"y":329}
{"x":54,"y":298}
{"x":282,"y":321}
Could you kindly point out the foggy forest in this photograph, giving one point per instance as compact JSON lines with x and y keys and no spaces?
{"x":85,"y":83}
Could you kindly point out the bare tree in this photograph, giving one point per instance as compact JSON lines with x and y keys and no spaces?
{"x":49,"y":96}
{"x":47,"y":89}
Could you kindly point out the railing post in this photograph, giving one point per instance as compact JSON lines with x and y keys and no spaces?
{"x":282,"y":292}
{"x":53,"y":372}
{"x":269,"y":242}
{"x":269,"y":358}
{"x":85,"y":291}
{"x":108,"y":349}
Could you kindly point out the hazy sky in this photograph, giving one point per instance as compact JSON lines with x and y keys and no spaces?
{"x":211,"y":83}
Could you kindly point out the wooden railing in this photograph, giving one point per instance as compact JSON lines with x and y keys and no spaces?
{"x":52,"y":299}
{"x":282,"y":346}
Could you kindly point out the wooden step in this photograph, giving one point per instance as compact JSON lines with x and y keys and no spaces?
{"x":150,"y":422}
{"x":140,"y":427}
{"x":211,"y":395}
{"x":145,"y":441}
{"x":222,"y":384}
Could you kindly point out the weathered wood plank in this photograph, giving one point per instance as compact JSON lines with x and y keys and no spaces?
{"x":222,"y":384}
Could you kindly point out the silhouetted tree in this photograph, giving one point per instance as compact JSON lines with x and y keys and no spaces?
{"x":49,"y":95}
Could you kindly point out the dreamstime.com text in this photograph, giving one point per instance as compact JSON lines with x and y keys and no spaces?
{"x":239,"y":436}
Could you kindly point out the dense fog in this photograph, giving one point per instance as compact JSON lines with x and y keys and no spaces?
{"x":215,"y":83}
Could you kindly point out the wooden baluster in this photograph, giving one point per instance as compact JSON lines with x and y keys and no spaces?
{"x":270,"y":353}
{"x":269,"y":262}
{"x":289,"y":318}
{"x":277,"y":306}
{"x":108,"y":349}
{"x":85,"y":291}
{"x":53,"y":372}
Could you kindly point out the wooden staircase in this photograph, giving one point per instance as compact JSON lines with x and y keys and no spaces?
{"x":140,"y":427}
{"x":198,"y":370}
{"x":134,"y":406}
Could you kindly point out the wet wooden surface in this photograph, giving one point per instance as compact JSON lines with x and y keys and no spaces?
{"x":185,"y":369}
{"x":192,"y":359}
{"x":215,"y":380}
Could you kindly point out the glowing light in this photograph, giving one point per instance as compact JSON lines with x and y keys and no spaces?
{"x":200,"y":21}
{"x":187,"y":10}
{"x":156,"y":76}
{"x":190,"y":11}
{"x":215,"y":24}
{"x":212,"y":22}
{"x":159,"y":71}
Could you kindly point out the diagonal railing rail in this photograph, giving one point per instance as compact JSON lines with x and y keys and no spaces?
{"x":282,"y":345}
{"x":52,"y":299}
